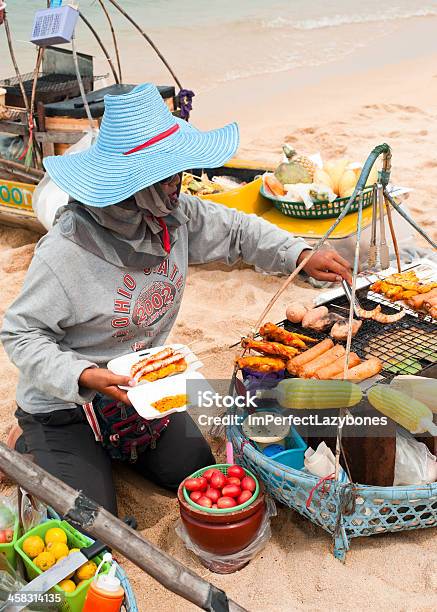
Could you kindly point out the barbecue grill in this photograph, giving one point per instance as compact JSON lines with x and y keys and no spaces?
{"x":404,"y":347}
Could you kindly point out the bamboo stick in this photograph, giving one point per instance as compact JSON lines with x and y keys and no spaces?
{"x":102,"y":46}
{"x":32,"y":172}
{"x":102,"y":525}
{"x":114,"y":38}
{"x":148,"y":39}
{"x":14,"y":61}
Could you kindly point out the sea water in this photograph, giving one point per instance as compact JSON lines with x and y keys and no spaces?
{"x":209,"y":43}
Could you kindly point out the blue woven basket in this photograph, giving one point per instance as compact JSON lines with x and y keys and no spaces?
{"x":130,"y":604}
{"x":345,"y":511}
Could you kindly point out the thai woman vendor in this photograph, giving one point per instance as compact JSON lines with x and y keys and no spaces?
{"x":125,"y":238}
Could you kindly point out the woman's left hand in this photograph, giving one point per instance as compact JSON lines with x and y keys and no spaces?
{"x":326,"y":265}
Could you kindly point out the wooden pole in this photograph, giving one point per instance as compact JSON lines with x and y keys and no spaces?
{"x":84,"y":513}
{"x":149,"y":40}
{"x":32,"y":173}
{"x":102,"y":46}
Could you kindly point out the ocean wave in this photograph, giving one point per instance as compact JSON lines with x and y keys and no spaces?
{"x":339,"y":20}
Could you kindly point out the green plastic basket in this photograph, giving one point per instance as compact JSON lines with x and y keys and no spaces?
{"x":223,"y":467}
{"x":320,"y":209}
{"x":73,"y":602}
{"x":9,"y":549}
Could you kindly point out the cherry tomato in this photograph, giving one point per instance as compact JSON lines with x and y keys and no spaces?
{"x":248,"y":484}
{"x":218,"y":480}
{"x":196,"y":484}
{"x":237,"y":471}
{"x":244,"y":497}
{"x":2,"y":537}
{"x":226,"y":502}
{"x":209,"y":473}
{"x":204,"y":501}
{"x":196,"y":495}
{"x":233,"y":480}
{"x":231,"y":491}
{"x":9,"y":535}
{"x":213,"y":494}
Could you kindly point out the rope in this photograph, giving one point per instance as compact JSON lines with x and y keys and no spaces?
{"x":323,"y":482}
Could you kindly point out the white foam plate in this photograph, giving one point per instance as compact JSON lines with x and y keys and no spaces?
{"x":143,"y":396}
{"x":122,"y":365}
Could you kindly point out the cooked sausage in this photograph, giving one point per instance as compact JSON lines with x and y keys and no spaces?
{"x":311,"y":368}
{"x":337,"y":367}
{"x":308,"y":355}
{"x":340,"y":329}
{"x":416,"y":302}
{"x":296,"y":311}
{"x":314,"y":315}
{"x":366,"y":369}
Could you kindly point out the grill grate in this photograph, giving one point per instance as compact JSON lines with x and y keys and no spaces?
{"x":48,"y":82}
{"x":404,"y":347}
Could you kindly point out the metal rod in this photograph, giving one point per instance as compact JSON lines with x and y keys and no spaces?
{"x":114,"y":38}
{"x":410,"y":220}
{"x":149,"y":40}
{"x":102,"y":525}
{"x":393,"y":234}
{"x":102,"y":46}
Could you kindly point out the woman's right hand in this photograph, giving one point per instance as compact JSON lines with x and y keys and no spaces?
{"x":105,"y":382}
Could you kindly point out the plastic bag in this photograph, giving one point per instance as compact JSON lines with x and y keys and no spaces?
{"x":48,"y":197}
{"x":226,"y":564}
{"x":32,"y":511}
{"x":8,"y":514}
{"x":321,"y":462}
{"x":414,"y":463}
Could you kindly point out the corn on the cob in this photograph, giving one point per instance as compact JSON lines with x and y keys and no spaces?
{"x":296,"y":393}
{"x":422,"y":389}
{"x":404,"y":410}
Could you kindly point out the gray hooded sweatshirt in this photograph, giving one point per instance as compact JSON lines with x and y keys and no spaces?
{"x":77,"y":310}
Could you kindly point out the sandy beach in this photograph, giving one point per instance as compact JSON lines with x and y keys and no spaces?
{"x":340,"y":111}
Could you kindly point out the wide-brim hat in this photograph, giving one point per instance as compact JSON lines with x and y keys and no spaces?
{"x":139,"y":143}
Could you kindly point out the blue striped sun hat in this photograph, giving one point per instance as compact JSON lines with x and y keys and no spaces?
{"x":140,"y":143}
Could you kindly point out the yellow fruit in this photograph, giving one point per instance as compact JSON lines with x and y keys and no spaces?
{"x":55,"y":534}
{"x":33,"y":546}
{"x":59,"y":549}
{"x":86,"y":571}
{"x":335,"y":170}
{"x":67,"y":585}
{"x":347,"y":181}
{"x":45,"y":560}
{"x":322,"y":177}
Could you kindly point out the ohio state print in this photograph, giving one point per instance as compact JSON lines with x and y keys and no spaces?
{"x":153,"y":303}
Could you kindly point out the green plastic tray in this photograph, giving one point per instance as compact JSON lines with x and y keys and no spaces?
{"x":9,"y":548}
{"x":320,"y":209}
{"x":73,"y":602}
{"x":223,"y":467}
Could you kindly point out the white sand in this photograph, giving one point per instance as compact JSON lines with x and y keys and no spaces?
{"x":296,"y":571}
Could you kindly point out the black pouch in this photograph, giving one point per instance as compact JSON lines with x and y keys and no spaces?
{"x":120,"y":429}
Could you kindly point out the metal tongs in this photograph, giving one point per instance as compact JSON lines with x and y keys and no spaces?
{"x":384,"y":258}
{"x":348,"y":292}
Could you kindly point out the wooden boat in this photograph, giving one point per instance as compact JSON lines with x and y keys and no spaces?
{"x":16,"y":202}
